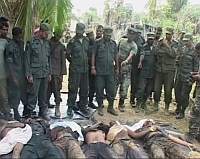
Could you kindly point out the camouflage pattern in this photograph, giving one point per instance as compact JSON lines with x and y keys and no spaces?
{"x":162,"y":148}
{"x":194,"y":123}
{"x":125,"y":71}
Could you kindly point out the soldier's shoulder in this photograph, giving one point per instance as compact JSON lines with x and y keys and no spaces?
{"x":99,"y":40}
{"x":161,"y":39}
{"x":113,"y":41}
{"x":175,"y":41}
{"x":145,"y":45}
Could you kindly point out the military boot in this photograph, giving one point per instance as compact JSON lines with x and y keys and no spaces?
{"x":16,"y":115}
{"x":43,"y":114}
{"x":181,"y":114}
{"x":155,"y":107}
{"x":121,"y":105}
{"x":57,"y":111}
{"x":100,"y":110}
{"x":138,"y":106}
{"x":110,"y":109}
{"x":167,"y":109}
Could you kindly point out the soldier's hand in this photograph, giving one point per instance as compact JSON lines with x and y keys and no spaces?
{"x":124,"y":63}
{"x":49,"y":78}
{"x":153,"y":128}
{"x":140,"y":65}
{"x":165,"y":42}
{"x":117,"y":72}
{"x":196,"y":77}
{"x":30,"y":79}
{"x":93,"y":71}
{"x":16,"y":82}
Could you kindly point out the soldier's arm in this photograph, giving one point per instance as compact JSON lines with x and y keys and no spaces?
{"x":94,"y":52}
{"x":171,"y":51}
{"x":116,"y":57}
{"x":50,"y":63}
{"x":63,"y":62}
{"x":195,"y":63}
{"x":9,"y":61}
{"x":69,"y":51}
{"x":28,"y":52}
{"x":132,"y":53}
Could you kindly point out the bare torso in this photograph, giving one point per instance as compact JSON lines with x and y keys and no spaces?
{"x":95,"y":136}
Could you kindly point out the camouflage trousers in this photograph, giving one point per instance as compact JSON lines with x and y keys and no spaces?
{"x":194,"y":123}
{"x":126,"y":148}
{"x":162,"y":147}
{"x":125,"y":81}
{"x":69,"y":146}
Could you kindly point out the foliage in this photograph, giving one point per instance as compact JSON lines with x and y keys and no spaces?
{"x":24,"y":13}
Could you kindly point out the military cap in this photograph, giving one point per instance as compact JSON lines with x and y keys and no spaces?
{"x":150,"y":35}
{"x":138,"y":28}
{"x":3,"y":19}
{"x":80,"y":28}
{"x":183,"y":31}
{"x":89,"y":33}
{"x":46,"y":28}
{"x":131,"y":30}
{"x":108,"y":31}
{"x":169,"y":30}
{"x":187,"y":37}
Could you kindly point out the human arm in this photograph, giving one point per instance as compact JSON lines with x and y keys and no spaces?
{"x":116,"y":60}
{"x":17,"y":150}
{"x":93,"y":58}
{"x":63,"y":62}
{"x":171,"y":51}
{"x":69,"y":50}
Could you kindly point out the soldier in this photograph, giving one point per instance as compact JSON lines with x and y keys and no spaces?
{"x":90,"y":36}
{"x":17,"y":83}
{"x":147,"y":70}
{"x":4,"y":106}
{"x":158,"y":33}
{"x":58,"y":69}
{"x":139,"y":40}
{"x":77,"y":55}
{"x":4,"y":21}
{"x":99,"y":31}
{"x":103,"y":58}
{"x":180,"y":39}
{"x":127,"y":49}
{"x":165,"y":66}
{"x":194,"y":122}
{"x":38,"y":71}
{"x":188,"y":63}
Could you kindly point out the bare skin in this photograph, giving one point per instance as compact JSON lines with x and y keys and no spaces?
{"x":96,"y":136}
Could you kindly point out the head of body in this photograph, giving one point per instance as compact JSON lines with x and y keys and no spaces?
{"x":139,"y":30}
{"x":57,"y":34}
{"x":17,"y":34}
{"x":131,"y":34}
{"x":90,"y":35}
{"x":197,"y":49}
{"x":188,"y":40}
{"x":181,"y":34}
{"x":150,"y":38}
{"x":158,"y":33}
{"x":169,"y":33}
{"x":5,"y":22}
{"x":107,"y":33}
{"x":99,"y":31}
{"x":45,"y":31}
{"x":80,"y":29}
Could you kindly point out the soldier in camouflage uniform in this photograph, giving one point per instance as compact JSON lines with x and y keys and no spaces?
{"x":188,"y":63}
{"x":165,"y":66}
{"x":104,"y":55}
{"x":147,"y":69}
{"x":194,"y":123}
{"x":127,"y":49}
{"x":77,"y":55}
{"x":139,"y":40}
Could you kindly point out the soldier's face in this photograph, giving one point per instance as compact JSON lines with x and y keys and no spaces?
{"x":18,"y":38}
{"x":131,"y":37}
{"x":188,"y":43}
{"x":43,"y":35}
{"x":150,"y":41}
{"x":107,"y":37}
{"x":4,"y":32}
{"x":99,"y":32}
{"x":158,"y":35}
{"x":78,"y":35}
{"x":169,"y":36}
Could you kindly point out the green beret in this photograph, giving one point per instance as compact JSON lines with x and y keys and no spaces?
{"x":80,"y":28}
{"x":150,"y":35}
{"x":131,"y":30}
{"x":45,"y":27}
{"x":89,"y":33}
{"x":187,"y":37}
{"x":169,"y":30}
{"x":108,"y":31}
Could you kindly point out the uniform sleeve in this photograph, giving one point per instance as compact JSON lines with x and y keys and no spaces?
{"x":134,"y":49}
{"x":171,"y":51}
{"x":116,"y":49}
{"x":9,"y":54}
{"x":69,"y":48}
{"x":94,"y":47}
{"x":28,"y":52}
{"x":63,"y":61}
{"x":195,"y":63}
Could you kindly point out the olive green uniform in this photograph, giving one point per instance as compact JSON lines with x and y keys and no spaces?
{"x":188,"y":63}
{"x":165,"y":69}
{"x":78,"y":71}
{"x":58,"y":70}
{"x":38,"y":66}
{"x":15,"y":58}
{"x":146,"y":79}
{"x":125,"y":48}
{"x":105,"y":52}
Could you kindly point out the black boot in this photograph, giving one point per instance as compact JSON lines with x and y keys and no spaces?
{"x":16,"y":115}
{"x":43,"y":114}
{"x":121,"y":105}
{"x":8,"y":117}
{"x":70,"y":112}
{"x":92,"y":105}
{"x":181,"y":115}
